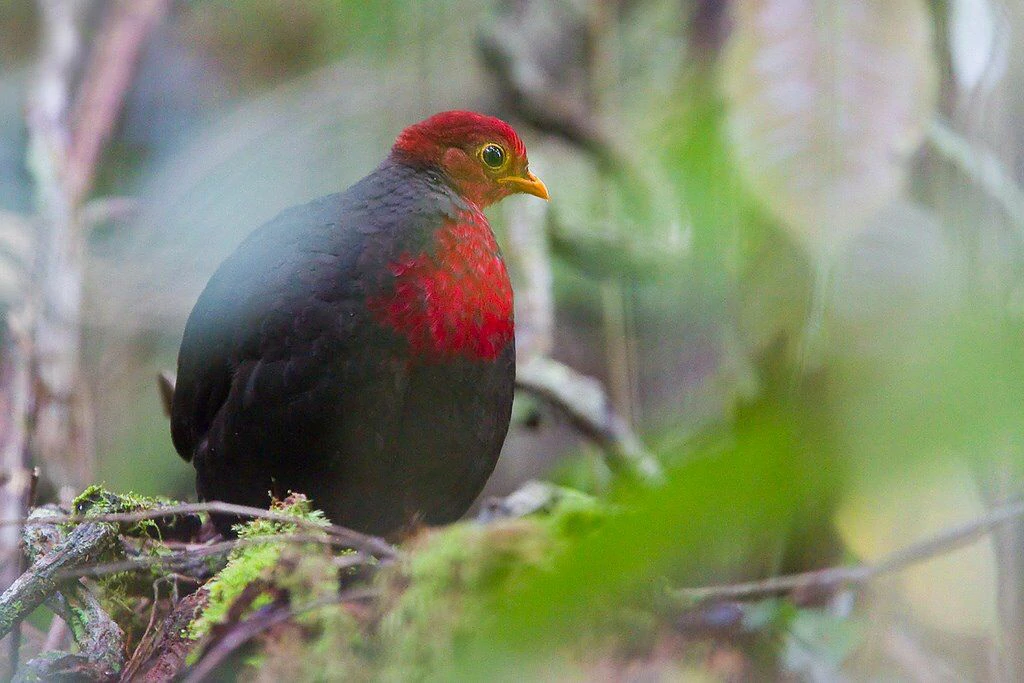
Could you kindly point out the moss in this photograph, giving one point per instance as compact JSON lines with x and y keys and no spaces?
{"x":430,"y":605}
{"x":445,"y":592}
{"x":251,"y":563}
{"x":96,"y":500}
{"x":433,"y":603}
{"x":119,"y":590}
{"x":449,"y":579}
{"x":323,"y":644}
{"x":574,"y":514}
{"x":6,"y":622}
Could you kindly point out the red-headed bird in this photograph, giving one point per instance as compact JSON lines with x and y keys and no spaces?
{"x":360,"y":348}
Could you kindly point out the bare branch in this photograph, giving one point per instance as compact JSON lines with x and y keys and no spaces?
{"x":370,"y":544}
{"x":858,"y":576}
{"x":108,"y":77}
{"x":53,"y":307}
{"x":63,"y":152}
{"x":529,"y":261}
{"x":195,"y":554}
{"x":585,"y":402}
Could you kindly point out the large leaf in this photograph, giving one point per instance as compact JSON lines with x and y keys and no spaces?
{"x":827,"y":101}
{"x":978,"y":50}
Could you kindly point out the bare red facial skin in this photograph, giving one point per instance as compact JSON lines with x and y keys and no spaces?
{"x":456,"y":302}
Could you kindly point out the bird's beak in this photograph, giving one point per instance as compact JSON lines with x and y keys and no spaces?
{"x":531,"y":184}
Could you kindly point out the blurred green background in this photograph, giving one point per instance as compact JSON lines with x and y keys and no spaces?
{"x":787,"y":236}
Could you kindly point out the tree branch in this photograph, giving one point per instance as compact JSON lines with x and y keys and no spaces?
{"x":109,"y":75}
{"x":53,"y":304}
{"x":858,"y":576}
{"x":63,"y":152}
{"x":984,"y":168}
{"x":529,"y":261}
{"x":84,"y":546}
{"x":359,"y":541}
{"x":584,"y":400}
{"x":194,"y":556}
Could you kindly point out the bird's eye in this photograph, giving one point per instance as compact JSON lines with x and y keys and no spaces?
{"x":493,"y":156}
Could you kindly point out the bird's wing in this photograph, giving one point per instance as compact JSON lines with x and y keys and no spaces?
{"x":285,"y":316}
{"x":267,"y":317}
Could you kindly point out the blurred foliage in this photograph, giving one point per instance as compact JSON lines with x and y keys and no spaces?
{"x":18,"y":28}
{"x":750,"y":155}
{"x":269,"y":40}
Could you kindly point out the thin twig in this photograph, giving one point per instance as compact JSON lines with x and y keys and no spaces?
{"x":194,"y":553}
{"x":359,"y":541}
{"x":152,"y":616}
{"x":858,"y":576}
{"x":585,"y":401}
{"x":983,"y":167}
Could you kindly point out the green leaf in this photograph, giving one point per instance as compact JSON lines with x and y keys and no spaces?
{"x":730,"y":506}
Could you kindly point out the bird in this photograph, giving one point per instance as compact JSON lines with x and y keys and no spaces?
{"x":360,"y":348}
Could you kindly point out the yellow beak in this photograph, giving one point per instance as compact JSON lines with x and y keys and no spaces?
{"x":531,"y":184}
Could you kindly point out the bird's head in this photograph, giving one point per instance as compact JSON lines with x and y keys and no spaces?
{"x":481,"y":156}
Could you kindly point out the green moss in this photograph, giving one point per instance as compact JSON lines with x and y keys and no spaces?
{"x":7,"y":617}
{"x":325,"y":643}
{"x":574,"y":515}
{"x":251,"y":563}
{"x":432,"y":606}
{"x":449,"y":582}
{"x":448,"y":587}
{"x":96,"y":500}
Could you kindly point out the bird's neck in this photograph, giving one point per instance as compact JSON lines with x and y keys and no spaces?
{"x":454,"y":299}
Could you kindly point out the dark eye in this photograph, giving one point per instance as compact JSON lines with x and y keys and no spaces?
{"x":493,"y":156}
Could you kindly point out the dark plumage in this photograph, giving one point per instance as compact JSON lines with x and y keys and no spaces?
{"x":359,"y":348}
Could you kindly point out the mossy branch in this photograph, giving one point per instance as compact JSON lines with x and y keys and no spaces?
{"x":88,"y":544}
{"x":370,"y":544}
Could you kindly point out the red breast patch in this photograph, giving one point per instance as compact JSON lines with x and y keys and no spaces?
{"x":456,"y":301}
